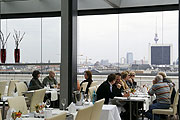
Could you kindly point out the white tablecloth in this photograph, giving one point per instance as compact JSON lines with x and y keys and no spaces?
{"x":146,"y":100}
{"x":110,"y":112}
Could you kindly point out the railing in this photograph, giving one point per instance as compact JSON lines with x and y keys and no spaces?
{"x":141,"y":80}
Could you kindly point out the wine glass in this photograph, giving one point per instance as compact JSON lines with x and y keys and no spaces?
{"x":48,"y":103}
{"x":63,"y":102}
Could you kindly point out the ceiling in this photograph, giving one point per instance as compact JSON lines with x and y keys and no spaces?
{"x":34,"y":6}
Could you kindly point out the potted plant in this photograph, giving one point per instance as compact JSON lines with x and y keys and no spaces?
{"x":3,"y":41}
{"x":18,"y":38}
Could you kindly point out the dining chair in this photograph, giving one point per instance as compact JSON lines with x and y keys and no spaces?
{"x":84,"y":113}
{"x":18,"y":103}
{"x":61,"y":116}
{"x":94,"y":83}
{"x":3,"y":86}
{"x":84,"y":86}
{"x":37,"y":98}
{"x":11,"y":87}
{"x":21,"y":87}
{"x":91,"y":91}
{"x":171,"y":111}
{"x":97,"y":109}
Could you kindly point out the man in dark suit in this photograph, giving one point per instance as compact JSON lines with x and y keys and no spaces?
{"x":105,"y":89}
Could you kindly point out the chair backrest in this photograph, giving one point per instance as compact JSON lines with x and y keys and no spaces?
{"x":21,"y":87}
{"x":3,"y":86}
{"x":84,"y":86}
{"x":61,"y":116}
{"x":176,"y":100}
{"x":37,"y":98}
{"x":94,"y":83}
{"x":11,"y":87}
{"x":97,"y":109}
{"x":85,"y":113}
{"x":18,"y":103}
{"x":0,"y":115}
{"x":91,"y":90}
{"x":171,"y":90}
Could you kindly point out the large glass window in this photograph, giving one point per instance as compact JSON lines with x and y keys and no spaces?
{"x":115,"y":43}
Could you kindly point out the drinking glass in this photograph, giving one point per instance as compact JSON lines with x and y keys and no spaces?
{"x":48,"y":103}
{"x":63,"y":102}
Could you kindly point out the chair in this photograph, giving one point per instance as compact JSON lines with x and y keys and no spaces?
{"x":91,"y":90}
{"x":21,"y":87}
{"x":84,"y":114}
{"x":171,"y":90}
{"x":84,"y":86}
{"x":94,"y":83}
{"x":97,"y":109}
{"x":18,"y":103}
{"x":0,"y":115}
{"x":37,"y":98}
{"x":61,"y":116}
{"x":171,"y":111}
{"x":11,"y":87}
{"x":2,"y":87}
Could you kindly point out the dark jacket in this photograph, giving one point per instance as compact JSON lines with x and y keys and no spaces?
{"x":35,"y":84}
{"x":131,"y":85}
{"x":50,"y":81}
{"x":89,"y":84}
{"x":116,"y":91}
{"x":103,"y":91}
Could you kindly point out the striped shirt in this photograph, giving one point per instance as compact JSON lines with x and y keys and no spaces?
{"x":162,"y":92}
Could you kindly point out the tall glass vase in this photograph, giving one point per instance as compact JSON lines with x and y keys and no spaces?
{"x":17,"y":55}
{"x":3,"y":55}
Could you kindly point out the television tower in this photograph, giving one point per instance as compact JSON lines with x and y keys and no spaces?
{"x":156,"y":35}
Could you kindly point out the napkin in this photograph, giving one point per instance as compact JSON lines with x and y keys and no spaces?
{"x":54,"y":96}
{"x":72,"y":108}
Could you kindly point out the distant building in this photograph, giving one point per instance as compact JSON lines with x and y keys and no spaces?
{"x":104,"y":62}
{"x":160,"y":54}
{"x":123,"y":60}
{"x":140,"y":62}
{"x":129,"y":58}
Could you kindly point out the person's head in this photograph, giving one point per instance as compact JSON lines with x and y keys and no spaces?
{"x":111,"y":78}
{"x":132,"y":74}
{"x":163,"y":74}
{"x":118,"y":77}
{"x":125,"y":75}
{"x":158,"y":79}
{"x":87,"y":75}
{"x":51,"y":74}
{"x":36,"y":74}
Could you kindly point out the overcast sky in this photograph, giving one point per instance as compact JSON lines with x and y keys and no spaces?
{"x":97,"y":36}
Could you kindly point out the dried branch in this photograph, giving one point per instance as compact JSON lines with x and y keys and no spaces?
{"x":3,"y":40}
{"x":18,"y":38}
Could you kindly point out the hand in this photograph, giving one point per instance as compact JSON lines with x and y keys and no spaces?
{"x":121,"y":83}
{"x":118,"y":86}
{"x":126,"y":94}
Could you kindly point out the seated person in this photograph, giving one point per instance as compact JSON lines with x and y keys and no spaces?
{"x":124,"y":78}
{"x":35,"y":84}
{"x":118,"y":90}
{"x":131,"y":80}
{"x":105,"y":89}
{"x":50,"y":80}
{"x":88,"y":78}
{"x":162,"y":92}
{"x":170,"y":83}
